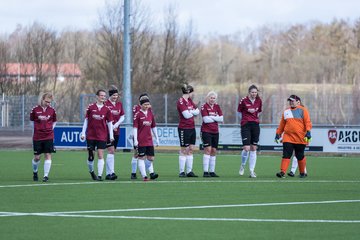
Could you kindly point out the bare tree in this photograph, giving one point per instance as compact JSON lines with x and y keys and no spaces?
{"x":67,"y":96}
{"x":39,"y":44}
{"x":5,"y":80}
{"x":178,"y":56}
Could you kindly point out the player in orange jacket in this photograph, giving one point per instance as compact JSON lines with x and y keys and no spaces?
{"x":295,"y":130}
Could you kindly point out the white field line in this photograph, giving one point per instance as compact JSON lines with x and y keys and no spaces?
{"x":207,"y":207}
{"x":181,"y":182}
{"x":207,"y":219}
{"x":80,"y":214}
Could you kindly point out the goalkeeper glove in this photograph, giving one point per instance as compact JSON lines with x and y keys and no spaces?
{"x":307,"y":137}
{"x":277,"y":138}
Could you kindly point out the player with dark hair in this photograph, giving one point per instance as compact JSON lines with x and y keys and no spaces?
{"x":134,"y":159}
{"x":212,"y":115}
{"x":117,"y":111}
{"x":249,"y":110}
{"x":144,"y":124}
{"x":187,"y":111}
{"x":44,"y":118}
{"x":295,"y":131}
{"x":97,"y":128}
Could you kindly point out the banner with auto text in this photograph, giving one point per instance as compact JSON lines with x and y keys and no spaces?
{"x":69,"y":137}
{"x":337,"y":140}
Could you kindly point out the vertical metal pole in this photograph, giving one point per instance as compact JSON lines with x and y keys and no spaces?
{"x":23,"y":111}
{"x":166,"y":108}
{"x":81,"y":108}
{"x":236,"y":112}
{"x":3,"y":110}
{"x":126,"y":64}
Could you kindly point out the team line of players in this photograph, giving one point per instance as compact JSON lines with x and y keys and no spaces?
{"x":103,"y":119}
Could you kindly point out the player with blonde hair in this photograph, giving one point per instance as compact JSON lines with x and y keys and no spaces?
{"x":211,"y":115}
{"x":44,"y":118}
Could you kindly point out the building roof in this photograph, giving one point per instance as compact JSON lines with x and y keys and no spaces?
{"x":29,"y":69}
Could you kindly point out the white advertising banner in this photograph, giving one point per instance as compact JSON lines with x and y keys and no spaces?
{"x":337,"y":140}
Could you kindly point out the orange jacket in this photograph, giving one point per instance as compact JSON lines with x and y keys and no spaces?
{"x":294,"y":124}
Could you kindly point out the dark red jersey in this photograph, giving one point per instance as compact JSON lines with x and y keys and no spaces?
{"x":43,"y":119}
{"x":144,"y":123}
{"x":117,"y":111}
{"x":245,"y":105}
{"x":207,"y":110}
{"x":181,"y":106}
{"x":97,"y":122}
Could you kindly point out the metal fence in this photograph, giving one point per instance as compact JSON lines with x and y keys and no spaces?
{"x":15,"y":110}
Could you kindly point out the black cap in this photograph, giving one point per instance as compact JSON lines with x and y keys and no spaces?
{"x":186,"y":88}
{"x":142,"y":95}
{"x":112,"y":91}
{"x":144,"y":100}
{"x":294,"y":98}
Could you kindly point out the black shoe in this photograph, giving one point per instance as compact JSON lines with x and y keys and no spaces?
{"x":291,"y":174}
{"x":280,"y":175}
{"x":154,"y":176}
{"x":111,"y":177}
{"x":93,"y":176}
{"x":99,"y":178}
{"x":182,"y":174}
{"x":191,"y":174}
{"x":114,"y":176}
{"x":45,"y":179}
{"x":206,"y":174}
{"x":303,"y":175}
{"x":35,"y":177}
{"x":133,"y":176}
{"x":213,"y":174}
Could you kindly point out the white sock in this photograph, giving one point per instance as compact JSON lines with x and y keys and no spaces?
{"x":149,"y":166}
{"x":134,"y":162}
{"x":110,"y":164}
{"x":90,"y":165}
{"x":189,"y":163}
{"x":244,"y":157}
{"x":212,"y":163}
{"x":182,"y":162}
{"x":141,"y":163}
{"x":294,"y":164}
{"x":47,"y":166}
{"x":252,"y":161}
{"x":35,"y":165}
{"x":206,"y":160}
{"x":100,"y":166}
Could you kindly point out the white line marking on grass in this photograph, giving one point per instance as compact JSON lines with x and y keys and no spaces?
{"x":206,"y":219}
{"x":12,"y":214}
{"x":80,"y":214}
{"x":210,"y":206}
{"x":47,"y":184}
{"x":182,"y":181}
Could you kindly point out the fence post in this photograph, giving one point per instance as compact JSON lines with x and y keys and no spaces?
{"x":23,"y":112}
{"x":166,"y":108}
{"x":236,"y":113}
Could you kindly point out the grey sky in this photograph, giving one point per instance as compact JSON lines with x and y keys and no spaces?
{"x":209,"y":16}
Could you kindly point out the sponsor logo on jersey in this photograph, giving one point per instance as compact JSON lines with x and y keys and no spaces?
{"x":98,"y":117}
{"x":44,"y":118}
{"x":147,"y":123}
{"x":115,"y":112}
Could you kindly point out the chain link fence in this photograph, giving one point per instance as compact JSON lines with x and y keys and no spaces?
{"x":338,"y":110}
